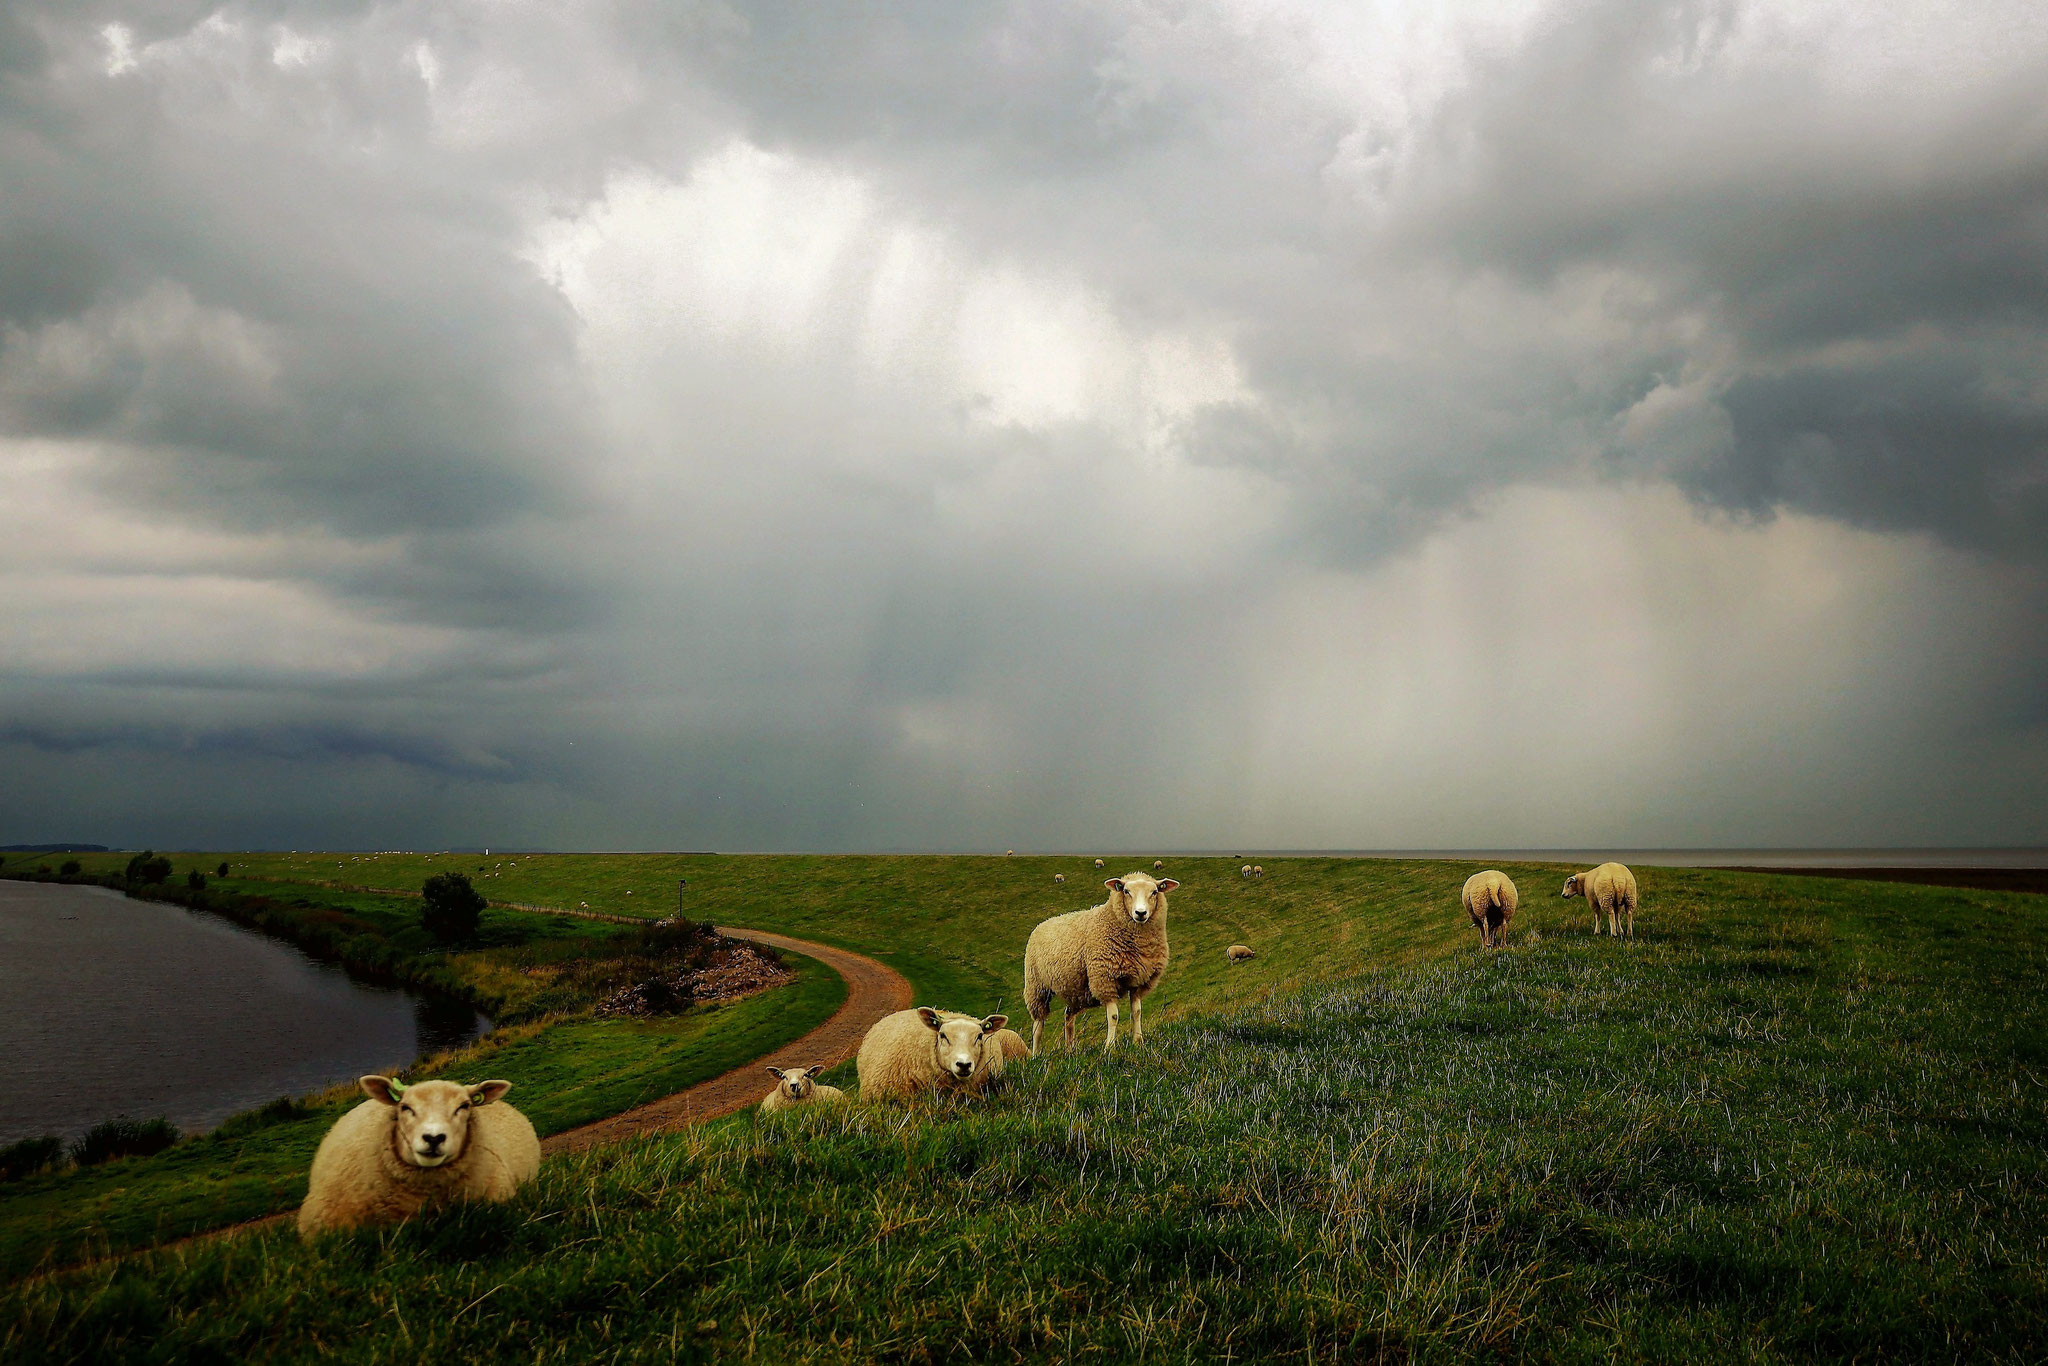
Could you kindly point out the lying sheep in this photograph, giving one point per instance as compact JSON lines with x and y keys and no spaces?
{"x":1610,"y":888}
{"x":1238,"y":953}
{"x":799,"y":1086}
{"x":1490,"y":899}
{"x":1092,"y":957}
{"x":917,"y":1051}
{"x":410,"y":1148}
{"x":1011,"y":1044}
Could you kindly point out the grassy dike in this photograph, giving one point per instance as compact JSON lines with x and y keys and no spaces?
{"x":1795,"y":1120}
{"x":534,"y":972}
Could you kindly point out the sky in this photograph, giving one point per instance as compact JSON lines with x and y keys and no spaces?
{"x":1212,"y":424}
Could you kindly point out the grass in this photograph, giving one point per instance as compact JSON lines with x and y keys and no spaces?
{"x":1796,"y":1120}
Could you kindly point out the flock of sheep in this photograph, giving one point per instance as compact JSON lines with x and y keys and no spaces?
{"x":408,"y":1148}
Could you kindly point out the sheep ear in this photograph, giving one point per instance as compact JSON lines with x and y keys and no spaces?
{"x":929,"y":1016}
{"x":815,"y":1069}
{"x":380,"y":1089}
{"x":1115,"y":882}
{"x":776,"y":1071}
{"x":1167,"y":884}
{"x":993,"y":1023}
{"x":484,"y":1092}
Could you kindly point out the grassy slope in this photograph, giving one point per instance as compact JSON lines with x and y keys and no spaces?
{"x":1796,"y":1120}
{"x":567,"y":1072}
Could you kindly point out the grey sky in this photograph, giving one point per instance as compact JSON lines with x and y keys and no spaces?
{"x":1036,"y":425}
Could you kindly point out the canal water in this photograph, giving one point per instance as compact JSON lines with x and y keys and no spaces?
{"x":116,"y":1007}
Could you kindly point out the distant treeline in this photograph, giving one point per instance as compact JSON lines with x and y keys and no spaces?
{"x":54,"y":849}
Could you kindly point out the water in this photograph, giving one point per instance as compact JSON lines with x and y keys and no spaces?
{"x":116,"y":1007}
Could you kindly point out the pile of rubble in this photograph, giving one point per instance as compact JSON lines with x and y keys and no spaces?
{"x":734,"y":971}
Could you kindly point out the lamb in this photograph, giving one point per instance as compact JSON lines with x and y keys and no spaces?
{"x":1093,"y":957}
{"x":799,"y":1086}
{"x":1610,"y":888}
{"x":1238,"y":953}
{"x":412,"y":1148}
{"x":914,"y":1052}
{"x":1490,"y":899}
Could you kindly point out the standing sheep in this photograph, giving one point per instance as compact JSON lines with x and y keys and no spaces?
{"x":1059,"y":877}
{"x":410,"y":1148}
{"x":1245,"y":871}
{"x":917,"y":1051}
{"x":1258,"y":870}
{"x":1610,"y":888}
{"x":1093,"y":957}
{"x":1490,"y":899}
{"x":1098,"y":863}
{"x":799,"y":1086}
{"x":1238,"y":953}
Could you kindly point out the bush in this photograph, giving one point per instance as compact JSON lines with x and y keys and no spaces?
{"x":30,"y":1156}
{"x":148,"y":867}
{"x":123,"y":1138}
{"x":221,"y":871}
{"x":196,"y":880}
{"x":279,"y":1111}
{"x":453,"y":908}
{"x":70,"y":867}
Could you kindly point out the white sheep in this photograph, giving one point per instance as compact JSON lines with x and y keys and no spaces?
{"x":913,"y":1052}
{"x":1098,"y":863}
{"x":799,"y":1086}
{"x":1059,"y":877}
{"x":1610,"y":888}
{"x":1158,"y":865}
{"x":1258,"y":870}
{"x":1245,"y":871}
{"x":410,"y":1148}
{"x":1239,"y":953}
{"x":1094,"y":957}
{"x":1490,"y":899}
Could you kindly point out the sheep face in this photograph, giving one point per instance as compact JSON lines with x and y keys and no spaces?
{"x":431,"y":1126}
{"x":957,"y":1044}
{"x":1138,"y":896}
{"x":798,"y":1083}
{"x":1573,"y":885}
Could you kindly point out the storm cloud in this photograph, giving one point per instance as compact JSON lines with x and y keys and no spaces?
{"x":997,"y":425}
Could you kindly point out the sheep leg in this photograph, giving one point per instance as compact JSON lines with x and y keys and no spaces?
{"x":1068,"y":1036}
{"x":1110,"y":1007}
{"x":1137,"y":1018}
{"x":1036,"y":1025}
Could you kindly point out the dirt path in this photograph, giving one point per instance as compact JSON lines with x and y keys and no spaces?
{"x":872,"y":990}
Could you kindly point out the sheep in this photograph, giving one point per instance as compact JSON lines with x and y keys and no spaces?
{"x":1059,"y":877}
{"x":1158,"y":865}
{"x":1490,"y":899}
{"x":1238,"y":953}
{"x":1012,"y":1044}
{"x":1610,"y":888}
{"x":410,"y":1148}
{"x":1258,"y":870}
{"x":799,"y":1086}
{"x":1245,"y":871}
{"x":1092,"y":957}
{"x":1098,"y":863}
{"x":913,"y":1052}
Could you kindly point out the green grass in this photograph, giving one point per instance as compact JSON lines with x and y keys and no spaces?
{"x":1796,"y":1120}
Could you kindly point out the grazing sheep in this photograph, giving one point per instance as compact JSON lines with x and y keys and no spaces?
{"x":1245,"y":871}
{"x":1158,"y":865}
{"x":410,"y":1148}
{"x":1059,"y":877}
{"x":799,"y":1086}
{"x":1490,"y":899}
{"x":1098,"y":863}
{"x":1092,"y":957}
{"x":917,"y":1051}
{"x":1258,"y":870}
{"x":1238,"y":953}
{"x":1610,"y":888}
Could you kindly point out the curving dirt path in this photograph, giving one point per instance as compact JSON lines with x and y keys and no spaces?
{"x":872,"y":991}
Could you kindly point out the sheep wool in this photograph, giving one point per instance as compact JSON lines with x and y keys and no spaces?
{"x":413,"y":1148}
{"x":798,"y":1086}
{"x":1490,"y":899}
{"x":1097,"y":956}
{"x":1609,"y":889}
{"x":921,"y":1051}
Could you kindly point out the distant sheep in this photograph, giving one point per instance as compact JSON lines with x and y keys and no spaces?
{"x":799,"y":1086}
{"x":411,"y":1148}
{"x":1258,"y":870}
{"x":1490,"y":899}
{"x":1238,"y":953}
{"x":913,"y":1052}
{"x":1245,"y":871}
{"x":1610,"y":888}
{"x":1158,"y":864}
{"x":1059,"y":877}
{"x":1093,"y":957}
{"x":1098,"y":863}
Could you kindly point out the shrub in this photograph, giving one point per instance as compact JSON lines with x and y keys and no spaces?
{"x":221,"y":871}
{"x":278,"y":1111}
{"x":196,"y":880}
{"x":123,"y":1138}
{"x":70,"y":867}
{"x":453,"y":908}
{"x":30,"y":1156}
{"x":148,"y":867}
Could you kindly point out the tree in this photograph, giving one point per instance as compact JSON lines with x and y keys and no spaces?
{"x":453,"y":908}
{"x":148,"y":866}
{"x":221,"y":871}
{"x":69,"y":868}
{"x":196,"y":880}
